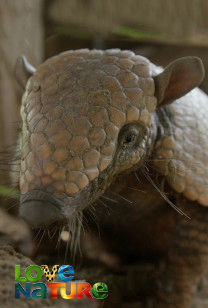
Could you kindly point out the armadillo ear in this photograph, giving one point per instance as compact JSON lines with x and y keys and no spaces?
{"x":177,"y":79}
{"x":23,"y":71}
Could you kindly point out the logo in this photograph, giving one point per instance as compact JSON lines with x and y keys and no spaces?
{"x":30,"y":286}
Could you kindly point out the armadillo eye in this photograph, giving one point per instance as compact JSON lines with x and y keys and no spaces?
{"x":129,"y":138}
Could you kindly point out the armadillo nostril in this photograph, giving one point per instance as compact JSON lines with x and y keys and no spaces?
{"x":39,"y":209}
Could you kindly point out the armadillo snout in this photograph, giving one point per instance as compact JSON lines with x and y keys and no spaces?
{"x":39,"y":209}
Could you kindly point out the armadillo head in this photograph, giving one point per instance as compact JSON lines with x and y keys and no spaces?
{"x":86,"y":117}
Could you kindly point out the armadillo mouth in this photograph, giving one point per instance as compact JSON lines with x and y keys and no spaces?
{"x":40,"y":209}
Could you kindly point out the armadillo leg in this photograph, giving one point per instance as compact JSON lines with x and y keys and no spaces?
{"x":187,"y":258}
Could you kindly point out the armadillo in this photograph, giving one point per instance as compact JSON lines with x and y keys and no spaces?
{"x":97,"y":121}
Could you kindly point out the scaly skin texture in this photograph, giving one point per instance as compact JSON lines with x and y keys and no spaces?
{"x":90,"y":119}
{"x":181,"y":152}
{"x":72,"y":111}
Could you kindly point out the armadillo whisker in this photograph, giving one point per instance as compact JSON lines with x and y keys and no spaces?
{"x":79,"y":227}
{"x":41,"y":239}
{"x":54,"y":233}
{"x":138,"y":179}
{"x":136,"y":189}
{"x":106,"y":206}
{"x":59,"y":238}
{"x":107,"y":198}
{"x":49,"y":235}
{"x":103,"y":203}
{"x":93,"y":216}
{"x":127,"y":200}
{"x":164,"y":196}
{"x":37,"y":234}
{"x":66,"y":250}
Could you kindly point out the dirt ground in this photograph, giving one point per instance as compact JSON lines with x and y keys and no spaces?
{"x":131,"y":286}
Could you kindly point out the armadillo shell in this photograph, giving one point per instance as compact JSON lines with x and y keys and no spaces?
{"x":181,"y":153}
